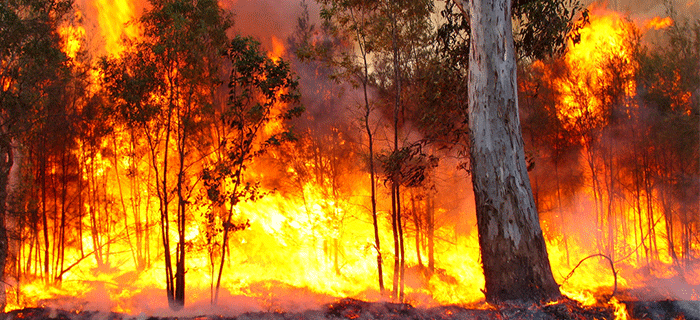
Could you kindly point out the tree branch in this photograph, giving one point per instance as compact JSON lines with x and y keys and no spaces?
{"x":612,"y":267}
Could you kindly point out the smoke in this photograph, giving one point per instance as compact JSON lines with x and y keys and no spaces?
{"x":152,"y":302}
{"x":640,"y":10}
{"x":263,"y":19}
{"x":612,"y":191}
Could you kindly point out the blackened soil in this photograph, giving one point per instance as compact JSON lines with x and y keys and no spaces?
{"x":356,"y":309}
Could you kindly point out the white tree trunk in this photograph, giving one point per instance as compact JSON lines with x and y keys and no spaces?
{"x":515,"y":261}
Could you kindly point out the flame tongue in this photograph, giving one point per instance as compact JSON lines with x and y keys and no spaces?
{"x":603,"y":42}
{"x":657,"y":23}
{"x":278,"y":49}
{"x":114,"y":17}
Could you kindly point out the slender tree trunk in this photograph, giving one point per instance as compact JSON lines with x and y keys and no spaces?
{"x":115,"y":163}
{"x":431,"y":233}
{"x":6,"y":166}
{"x":44,"y":216}
{"x":227,"y":223}
{"x":81,"y":204}
{"x":395,"y":232}
{"x":370,"y":141}
{"x":161,"y":175}
{"x":515,"y":262}
{"x":141,"y":244}
{"x":399,"y":262}
{"x":62,"y":233}
{"x":373,"y":188}
{"x":402,"y":250}
{"x":92,"y":199}
{"x":11,"y":224}
{"x":417,"y":223}
{"x":182,"y":205}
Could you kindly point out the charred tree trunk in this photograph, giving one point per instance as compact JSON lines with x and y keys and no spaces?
{"x":417,"y":223}
{"x":402,"y":250}
{"x":181,"y":211}
{"x":11,"y":223}
{"x":62,"y":232}
{"x":227,"y":224}
{"x":431,"y":233}
{"x":373,"y":186}
{"x":5,"y":166}
{"x":515,"y":261}
{"x":372,"y":174}
{"x":399,"y":262}
{"x":395,"y":231}
{"x":44,"y":215}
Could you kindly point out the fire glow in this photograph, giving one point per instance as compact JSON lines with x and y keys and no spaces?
{"x":310,"y":240}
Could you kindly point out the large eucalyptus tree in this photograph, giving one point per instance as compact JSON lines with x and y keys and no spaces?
{"x":514,"y":256}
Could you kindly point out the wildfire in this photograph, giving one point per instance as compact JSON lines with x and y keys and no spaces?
{"x":309,"y":239}
{"x":657,"y":23}
{"x":113,"y":19}
{"x":73,"y":36}
{"x":597,"y":103}
{"x":278,"y":49}
{"x":620,"y":309}
{"x":600,"y":60}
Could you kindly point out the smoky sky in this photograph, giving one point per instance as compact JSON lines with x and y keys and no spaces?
{"x":646,"y":9}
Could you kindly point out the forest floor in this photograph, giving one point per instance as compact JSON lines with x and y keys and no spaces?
{"x":356,"y":309}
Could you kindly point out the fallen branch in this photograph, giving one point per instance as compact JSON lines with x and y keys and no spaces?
{"x":612,"y":267}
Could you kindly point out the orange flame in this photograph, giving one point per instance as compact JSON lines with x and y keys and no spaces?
{"x":657,"y":23}
{"x":278,"y":49}
{"x":620,"y":309}
{"x":113,"y":16}
{"x":73,"y":36}
{"x":597,"y":78}
{"x":603,"y":42}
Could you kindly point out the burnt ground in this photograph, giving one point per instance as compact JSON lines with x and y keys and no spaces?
{"x":357,"y":309}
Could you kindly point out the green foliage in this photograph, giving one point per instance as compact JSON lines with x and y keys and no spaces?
{"x":452,"y":37}
{"x":542,"y":27}
{"x":175,"y":64}
{"x":130,"y":82}
{"x":260,"y":90}
{"x":31,"y":57}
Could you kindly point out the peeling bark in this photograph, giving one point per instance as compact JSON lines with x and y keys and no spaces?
{"x":514,"y":257}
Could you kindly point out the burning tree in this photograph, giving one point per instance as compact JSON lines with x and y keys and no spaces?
{"x":390,"y":37}
{"x":347,"y":24}
{"x":163,"y":87}
{"x":618,"y":142}
{"x":262,"y":95}
{"x":32,"y":66}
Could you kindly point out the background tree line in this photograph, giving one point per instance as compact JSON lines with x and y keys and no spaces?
{"x":629,"y":161}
